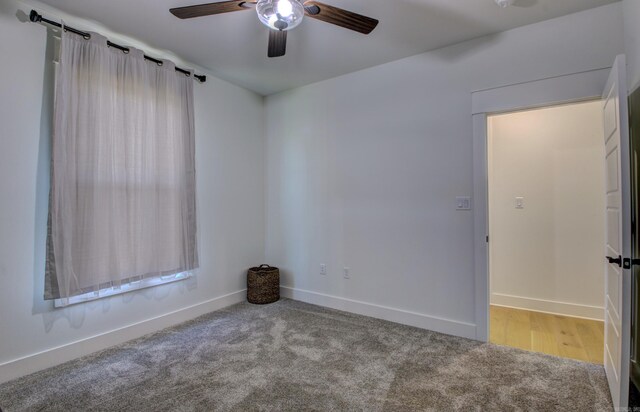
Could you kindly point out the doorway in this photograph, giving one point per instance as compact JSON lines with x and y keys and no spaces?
{"x":546,"y":229}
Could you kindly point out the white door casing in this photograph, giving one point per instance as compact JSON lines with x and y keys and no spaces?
{"x":617,"y":297}
{"x":551,"y":91}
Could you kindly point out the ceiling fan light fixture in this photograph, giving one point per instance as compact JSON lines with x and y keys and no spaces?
{"x":280,"y":14}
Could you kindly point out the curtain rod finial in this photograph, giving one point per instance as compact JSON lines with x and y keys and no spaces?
{"x":34,"y":16}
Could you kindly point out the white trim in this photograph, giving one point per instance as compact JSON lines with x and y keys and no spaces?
{"x":448,"y":326}
{"x":480,"y":228}
{"x":548,"y":306}
{"x":55,"y":356}
{"x":546,"y":92}
{"x":540,"y":93}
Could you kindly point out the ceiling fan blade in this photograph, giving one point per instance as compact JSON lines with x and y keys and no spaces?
{"x":340,"y":17}
{"x":208,"y":9}
{"x":277,"y":43}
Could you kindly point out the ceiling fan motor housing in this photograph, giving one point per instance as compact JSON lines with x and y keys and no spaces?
{"x":280,"y":14}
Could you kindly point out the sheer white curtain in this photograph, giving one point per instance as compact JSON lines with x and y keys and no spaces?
{"x":122,"y":202}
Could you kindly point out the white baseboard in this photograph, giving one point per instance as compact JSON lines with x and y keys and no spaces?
{"x":450,"y":327}
{"x":548,"y":306}
{"x":56,"y":356}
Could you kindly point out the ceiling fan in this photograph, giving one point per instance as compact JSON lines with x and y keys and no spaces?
{"x":281,"y":16}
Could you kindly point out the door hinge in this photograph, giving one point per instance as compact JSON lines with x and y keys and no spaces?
{"x":487,"y":239}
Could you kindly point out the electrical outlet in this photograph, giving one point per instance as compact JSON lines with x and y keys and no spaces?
{"x":323,"y":269}
{"x":347,"y":273}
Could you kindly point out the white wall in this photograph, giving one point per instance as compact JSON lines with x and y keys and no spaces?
{"x":230,"y":208}
{"x":549,"y":255}
{"x":363,"y":170}
{"x":632,"y":41}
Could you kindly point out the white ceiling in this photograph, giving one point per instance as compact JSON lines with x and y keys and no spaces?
{"x":233,"y":46}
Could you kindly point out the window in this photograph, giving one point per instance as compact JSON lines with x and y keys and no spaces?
{"x":122,"y":204}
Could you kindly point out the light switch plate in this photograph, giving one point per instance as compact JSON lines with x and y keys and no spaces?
{"x":519,"y":202}
{"x":463,"y":203}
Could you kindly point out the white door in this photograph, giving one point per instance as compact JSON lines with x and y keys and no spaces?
{"x":618,"y":235}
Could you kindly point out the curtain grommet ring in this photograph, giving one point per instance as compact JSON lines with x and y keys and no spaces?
{"x":86,"y":36}
{"x":159,"y":63}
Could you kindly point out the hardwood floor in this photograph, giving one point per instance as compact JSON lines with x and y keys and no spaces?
{"x":556,"y":335}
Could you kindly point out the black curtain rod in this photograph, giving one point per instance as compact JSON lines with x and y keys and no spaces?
{"x":35,"y":17}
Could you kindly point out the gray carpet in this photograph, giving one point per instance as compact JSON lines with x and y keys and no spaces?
{"x":294,"y":356}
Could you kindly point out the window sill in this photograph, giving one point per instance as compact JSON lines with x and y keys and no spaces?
{"x":118,"y":290}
